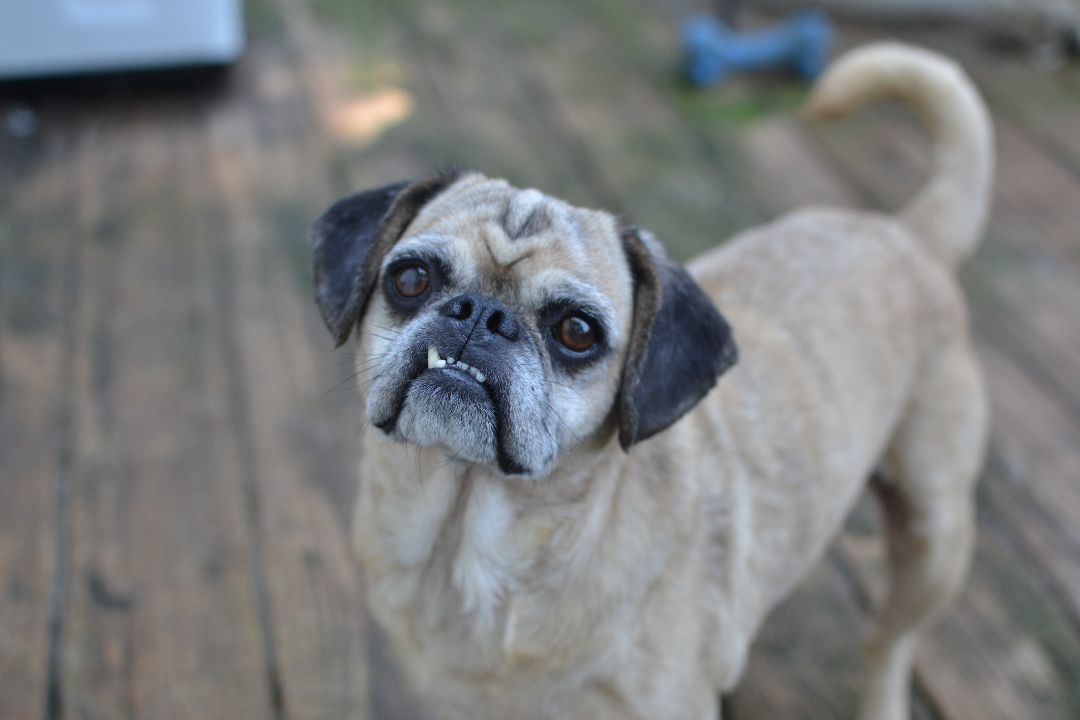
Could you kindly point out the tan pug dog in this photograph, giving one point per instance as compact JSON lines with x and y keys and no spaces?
{"x":557,"y":518}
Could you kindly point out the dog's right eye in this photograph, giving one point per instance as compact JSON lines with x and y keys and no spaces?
{"x":411,"y":280}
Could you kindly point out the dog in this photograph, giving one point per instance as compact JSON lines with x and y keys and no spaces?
{"x":560,"y":517}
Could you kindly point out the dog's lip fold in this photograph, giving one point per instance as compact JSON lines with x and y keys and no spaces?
{"x":460,"y":376}
{"x":508,"y":465}
{"x":389,"y":423}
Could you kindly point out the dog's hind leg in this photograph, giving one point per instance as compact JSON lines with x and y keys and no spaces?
{"x":927,"y":502}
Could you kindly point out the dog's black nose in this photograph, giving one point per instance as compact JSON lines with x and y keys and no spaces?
{"x":487,"y":312}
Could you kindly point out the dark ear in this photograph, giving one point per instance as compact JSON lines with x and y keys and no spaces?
{"x":679,"y":342}
{"x":349,"y":240}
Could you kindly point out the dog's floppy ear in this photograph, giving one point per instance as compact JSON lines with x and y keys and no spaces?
{"x":350,"y":239}
{"x":679,"y":342}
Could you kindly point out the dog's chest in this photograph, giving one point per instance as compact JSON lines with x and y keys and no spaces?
{"x":448,"y":559}
{"x":473,"y":583}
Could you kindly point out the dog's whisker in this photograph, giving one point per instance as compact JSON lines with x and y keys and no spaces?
{"x":451,"y":459}
{"x":395,"y":331}
{"x":355,"y":374}
{"x":369,"y":367}
{"x":571,"y":388}
{"x":558,"y":416}
{"x":340,"y":383}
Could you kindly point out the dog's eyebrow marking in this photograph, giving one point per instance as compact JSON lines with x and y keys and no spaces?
{"x":525,"y":214}
{"x":440,"y":248}
{"x":504,"y":263}
{"x":430,"y":245}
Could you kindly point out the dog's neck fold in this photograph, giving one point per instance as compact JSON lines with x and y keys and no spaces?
{"x":432,"y":527}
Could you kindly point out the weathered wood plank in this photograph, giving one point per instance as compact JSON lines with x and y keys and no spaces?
{"x":1034,"y":439}
{"x":164,"y":612}
{"x":1005,"y":649}
{"x":39,"y":283}
{"x":804,"y":663}
{"x":270,"y":187}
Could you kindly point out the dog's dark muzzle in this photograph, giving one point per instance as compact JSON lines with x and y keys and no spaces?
{"x":476,"y":336}
{"x":486,"y":321}
{"x":468,"y":347}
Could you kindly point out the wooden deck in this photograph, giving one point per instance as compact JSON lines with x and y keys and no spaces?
{"x":177,"y":438}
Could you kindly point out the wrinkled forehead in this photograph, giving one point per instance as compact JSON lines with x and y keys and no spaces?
{"x":522,"y":242}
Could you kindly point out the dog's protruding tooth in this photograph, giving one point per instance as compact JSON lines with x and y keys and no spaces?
{"x":480,"y":377}
{"x":463,"y":365}
{"x":449,"y":361}
{"x":440,"y":363}
{"x":432,"y":357}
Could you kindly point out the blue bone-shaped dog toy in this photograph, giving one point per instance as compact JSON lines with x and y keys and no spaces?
{"x":714,"y":50}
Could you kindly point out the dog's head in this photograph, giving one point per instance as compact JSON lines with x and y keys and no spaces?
{"x":510,"y":328}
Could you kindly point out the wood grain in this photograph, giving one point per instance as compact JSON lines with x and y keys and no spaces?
{"x":164,"y":615}
{"x":39,"y":281}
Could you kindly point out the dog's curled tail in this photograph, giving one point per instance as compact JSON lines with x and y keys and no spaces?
{"x":951,"y":209}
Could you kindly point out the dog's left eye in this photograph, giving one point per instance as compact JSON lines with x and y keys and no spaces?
{"x":575,"y":338}
{"x":412,"y":279}
{"x":576,"y":333}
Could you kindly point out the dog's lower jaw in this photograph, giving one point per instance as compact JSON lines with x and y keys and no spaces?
{"x":469,"y":420}
{"x":496,"y":455}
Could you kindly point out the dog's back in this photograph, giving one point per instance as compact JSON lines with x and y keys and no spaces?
{"x":855,"y":360}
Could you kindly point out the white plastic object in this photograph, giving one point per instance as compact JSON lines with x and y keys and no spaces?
{"x":60,"y":37}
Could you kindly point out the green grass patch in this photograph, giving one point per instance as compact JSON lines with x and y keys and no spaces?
{"x":738,"y":106}
{"x":262,"y":21}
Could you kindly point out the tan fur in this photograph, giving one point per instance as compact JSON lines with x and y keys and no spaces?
{"x":629,"y":585}
{"x":950,"y":211}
